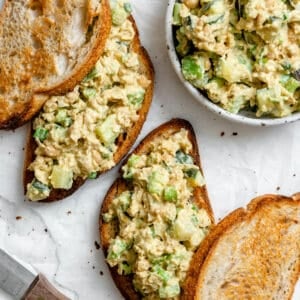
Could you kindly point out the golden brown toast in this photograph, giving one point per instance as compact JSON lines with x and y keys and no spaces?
{"x":253,"y":253}
{"x":124,"y":141}
{"x":110,"y":230}
{"x":50,"y":46}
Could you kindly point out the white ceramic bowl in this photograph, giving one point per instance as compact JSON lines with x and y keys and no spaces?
{"x":246,"y":117}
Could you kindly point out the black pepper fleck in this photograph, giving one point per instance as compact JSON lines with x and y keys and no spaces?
{"x":97,"y":245}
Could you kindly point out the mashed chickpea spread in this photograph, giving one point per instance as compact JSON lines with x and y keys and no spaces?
{"x":159,"y":226}
{"x":76,"y":133}
{"x":243,"y":54}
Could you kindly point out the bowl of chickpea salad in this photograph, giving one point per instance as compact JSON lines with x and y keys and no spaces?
{"x":240,"y":59}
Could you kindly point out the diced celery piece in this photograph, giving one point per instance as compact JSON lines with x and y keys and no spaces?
{"x":61,"y":178}
{"x":124,"y":269}
{"x":169,"y":291}
{"x":265,"y":95}
{"x":163,"y":274}
{"x":62,"y":118}
{"x":61,"y":115}
{"x":170,"y":194}
{"x":116,"y":248}
{"x":216,"y":8}
{"x":88,"y":92}
{"x":108,"y":131}
{"x":234,"y":67}
{"x":58,"y":133}
{"x":133,"y":159}
{"x":124,"y":200}
{"x":41,"y":133}
{"x":137,"y":98}
{"x":192,"y":68}
{"x":107,"y":217}
{"x":127,"y":173}
{"x":92,"y":175}
{"x":289,"y":83}
{"x":119,"y":15}
{"x":183,"y":158}
{"x":176,"y":14}
{"x":183,"y":227}
{"x":184,"y":44}
{"x":156,"y":182}
{"x":127,"y":7}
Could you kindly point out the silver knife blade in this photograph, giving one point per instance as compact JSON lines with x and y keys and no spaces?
{"x":15,"y":278}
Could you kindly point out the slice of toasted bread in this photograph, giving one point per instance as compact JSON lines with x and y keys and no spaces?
{"x":123,"y":142}
{"x":109,"y":230}
{"x":47,"y":46}
{"x":252,"y":253}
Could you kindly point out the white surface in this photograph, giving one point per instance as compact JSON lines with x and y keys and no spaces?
{"x":237,"y":168}
{"x":245,"y":117}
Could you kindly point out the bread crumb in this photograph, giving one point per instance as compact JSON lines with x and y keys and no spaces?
{"x":18,"y":217}
{"x":97,"y":245}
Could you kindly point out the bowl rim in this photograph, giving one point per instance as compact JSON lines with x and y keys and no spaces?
{"x":200,"y":97}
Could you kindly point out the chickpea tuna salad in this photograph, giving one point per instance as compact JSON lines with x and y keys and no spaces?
{"x":242,"y":54}
{"x":76,"y":133}
{"x":159,"y":224}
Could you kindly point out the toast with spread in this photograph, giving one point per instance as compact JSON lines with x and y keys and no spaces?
{"x":155,"y":216}
{"x":86,"y":132}
{"x":252,"y":253}
{"x":46,"y":46}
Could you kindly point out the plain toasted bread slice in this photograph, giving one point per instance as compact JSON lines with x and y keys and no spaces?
{"x":252,"y":253}
{"x":47,"y":46}
{"x":124,"y":141}
{"x":110,"y":230}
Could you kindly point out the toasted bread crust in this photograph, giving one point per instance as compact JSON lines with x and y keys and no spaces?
{"x":107,"y":230}
{"x":124,"y":141}
{"x":40,"y":97}
{"x":202,"y":258}
{"x":25,"y":109}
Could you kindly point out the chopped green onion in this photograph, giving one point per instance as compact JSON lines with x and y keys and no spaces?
{"x":90,"y":75}
{"x":183,"y":158}
{"x":40,"y":186}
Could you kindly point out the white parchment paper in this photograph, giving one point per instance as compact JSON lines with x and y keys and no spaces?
{"x":58,"y":239}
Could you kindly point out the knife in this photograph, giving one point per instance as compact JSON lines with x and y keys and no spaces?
{"x":22,"y":283}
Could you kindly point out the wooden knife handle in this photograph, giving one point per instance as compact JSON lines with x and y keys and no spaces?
{"x":42,"y":289}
